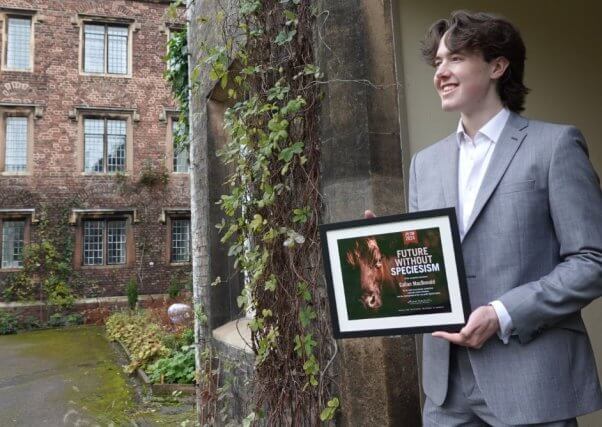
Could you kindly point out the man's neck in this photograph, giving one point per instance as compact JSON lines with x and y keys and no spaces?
{"x":474,"y":121}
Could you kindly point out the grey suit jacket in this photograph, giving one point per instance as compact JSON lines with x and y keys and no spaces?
{"x":534,"y":242}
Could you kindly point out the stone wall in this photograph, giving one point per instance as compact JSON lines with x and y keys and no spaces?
{"x":362,"y":169}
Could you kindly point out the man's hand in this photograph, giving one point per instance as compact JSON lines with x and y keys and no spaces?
{"x":369,"y":214}
{"x":482,"y":324}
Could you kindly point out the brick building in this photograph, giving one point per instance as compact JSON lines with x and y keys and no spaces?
{"x":86,"y":151}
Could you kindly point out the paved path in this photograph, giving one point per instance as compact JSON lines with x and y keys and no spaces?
{"x":67,"y":377}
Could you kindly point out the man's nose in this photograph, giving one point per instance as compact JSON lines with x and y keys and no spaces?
{"x":441,"y":71}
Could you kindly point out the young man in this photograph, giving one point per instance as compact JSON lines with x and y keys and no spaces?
{"x":529,"y":209}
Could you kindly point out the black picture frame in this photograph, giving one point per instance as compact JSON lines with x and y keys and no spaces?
{"x":395,"y":275}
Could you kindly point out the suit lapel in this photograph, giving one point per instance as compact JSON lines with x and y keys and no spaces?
{"x":449,"y":171}
{"x":511,"y":138}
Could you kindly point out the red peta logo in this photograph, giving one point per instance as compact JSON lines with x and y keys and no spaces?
{"x":409,"y":237}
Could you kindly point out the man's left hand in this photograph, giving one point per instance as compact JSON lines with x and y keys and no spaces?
{"x":482,"y":324}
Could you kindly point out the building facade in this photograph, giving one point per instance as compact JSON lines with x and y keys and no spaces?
{"x":86,"y":145}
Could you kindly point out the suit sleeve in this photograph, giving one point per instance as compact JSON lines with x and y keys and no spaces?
{"x":575,"y":202}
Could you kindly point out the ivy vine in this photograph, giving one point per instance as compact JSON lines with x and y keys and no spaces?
{"x":265,"y":64}
{"x":47,"y":272}
{"x":176,"y":74}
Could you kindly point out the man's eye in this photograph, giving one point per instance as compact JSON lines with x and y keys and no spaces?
{"x":456,"y":58}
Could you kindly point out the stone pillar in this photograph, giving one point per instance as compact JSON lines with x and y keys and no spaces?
{"x":362,"y":169}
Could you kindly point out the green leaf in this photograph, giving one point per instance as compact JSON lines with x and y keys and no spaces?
{"x":287,"y":153}
{"x":270,"y":284}
{"x":293,"y":106}
{"x":278,"y":92}
{"x":311,"y":69}
{"x":306,"y":315}
{"x":331,"y":408}
{"x":224,"y":80}
{"x":256,"y":223}
{"x":301,"y":214}
{"x":285,"y":36}
{"x":298,"y":346}
{"x":311,"y":368}
{"x":303,"y":291}
{"x":291,"y":18}
{"x":309,"y":344}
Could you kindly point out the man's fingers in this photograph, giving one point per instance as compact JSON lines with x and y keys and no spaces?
{"x":453,"y":338}
{"x":471,"y":329}
{"x":473,"y":323}
{"x":369,"y":214}
{"x":460,"y":338}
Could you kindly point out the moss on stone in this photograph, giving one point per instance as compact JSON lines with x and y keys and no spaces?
{"x":92,"y":386}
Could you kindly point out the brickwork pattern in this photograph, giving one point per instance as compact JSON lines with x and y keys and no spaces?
{"x":56,"y":177}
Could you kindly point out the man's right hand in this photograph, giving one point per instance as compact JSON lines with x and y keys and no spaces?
{"x":369,"y":214}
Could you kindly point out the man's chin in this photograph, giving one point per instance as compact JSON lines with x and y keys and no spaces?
{"x":448,"y":106}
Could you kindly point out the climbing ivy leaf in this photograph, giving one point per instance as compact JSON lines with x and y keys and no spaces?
{"x":285,"y":36}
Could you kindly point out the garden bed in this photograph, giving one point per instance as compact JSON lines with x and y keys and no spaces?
{"x":159,"y":353}
{"x":158,"y":389}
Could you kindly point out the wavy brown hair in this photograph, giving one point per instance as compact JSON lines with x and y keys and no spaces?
{"x":487,"y":34}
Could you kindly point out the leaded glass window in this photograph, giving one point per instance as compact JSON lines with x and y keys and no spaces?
{"x":104,"y":145}
{"x":18,"y":45}
{"x":105,"y":241}
{"x":15,"y":155}
{"x":94,"y":242}
{"x":116,"y":145}
{"x":180,"y":240}
{"x":13,"y":241}
{"x":117,"y":59}
{"x":105,"y":49}
{"x":94,"y":48}
{"x":116,"y":242}
{"x":181,"y":160}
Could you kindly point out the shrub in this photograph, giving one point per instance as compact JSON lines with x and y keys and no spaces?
{"x":59,"y":293}
{"x":140,"y":336}
{"x":56,"y":320}
{"x":170,"y":340}
{"x":179,"y":283}
{"x":187,"y":336}
{"x":8,"y":323}
{"x":174,"y":288}
{"x":31,"y":322}
{"x":179,"y":368}
{"x":18,"y":287}
{"x":131,"y":291}
{"x":74,"y":319}
{"x":176,"y":340}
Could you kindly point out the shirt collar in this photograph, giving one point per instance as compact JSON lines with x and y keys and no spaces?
{"x":491,"y":130}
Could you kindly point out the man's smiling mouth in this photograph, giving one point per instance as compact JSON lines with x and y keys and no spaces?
{"x":447,"y":88}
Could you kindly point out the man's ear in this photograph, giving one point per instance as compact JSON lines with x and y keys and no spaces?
{"x":497,"y":67}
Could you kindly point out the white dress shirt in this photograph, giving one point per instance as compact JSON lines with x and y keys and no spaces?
{"x":475,"y":155}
